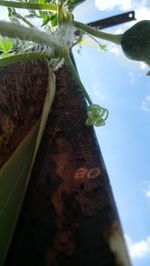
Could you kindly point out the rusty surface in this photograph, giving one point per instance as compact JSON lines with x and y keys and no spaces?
{"x":22,"y":93}
{"x":69,"y":216}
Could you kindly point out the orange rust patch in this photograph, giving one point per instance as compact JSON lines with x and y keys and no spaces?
{"x":64,"y":161}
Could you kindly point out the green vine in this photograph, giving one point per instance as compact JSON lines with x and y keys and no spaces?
{"x":114,"y":38}
{"x":18,"y":58}
{"x":26,"y":5}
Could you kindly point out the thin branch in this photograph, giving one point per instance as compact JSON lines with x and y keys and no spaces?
{"x":15,"y":31}
{"x":76,"y":76}
{"x":17,"y":15}
{"x":24,"y":5}
{"x":115,"y":38}
{"x":14,"y":59}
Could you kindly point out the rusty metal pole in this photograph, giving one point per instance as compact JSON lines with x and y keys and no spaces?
{"x":69,"y":217}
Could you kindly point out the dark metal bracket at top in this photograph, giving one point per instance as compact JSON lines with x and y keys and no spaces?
{"x":114,"y":20}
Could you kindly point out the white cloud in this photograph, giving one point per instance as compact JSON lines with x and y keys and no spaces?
{"x":140,"y":6}
{"x":132,"y":77}
{"x":143,"y":66}
{"x":138,"y":250}
{"x":147,"y":191}
{"x":98,"y":94}
{"x":108,"y":5}
{"x":114,"y":49}
{"x":145,"y":104}
{"x":142,"y":11}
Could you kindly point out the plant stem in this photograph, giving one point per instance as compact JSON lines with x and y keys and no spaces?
{"x":115,"y":38}
{"x":75,"y":75}
{"x":13,"y":30}
{"x":25,"y":5}
{"x":22,"y":18}
{"x":13,"y":59}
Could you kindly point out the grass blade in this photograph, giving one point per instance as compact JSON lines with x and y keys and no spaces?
{"x":15,"y":173}
{"x":34,"y":6}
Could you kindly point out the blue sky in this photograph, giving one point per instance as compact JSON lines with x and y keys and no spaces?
{"x":122,"y":86}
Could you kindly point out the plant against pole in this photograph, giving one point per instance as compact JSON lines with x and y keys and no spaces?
{"x":21,"y":41}
{"x":59,"y":36}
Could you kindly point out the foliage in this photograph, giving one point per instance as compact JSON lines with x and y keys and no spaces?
{"x":60,"y":33}
{"x":13,"y":179}
{"x":6,"y":45}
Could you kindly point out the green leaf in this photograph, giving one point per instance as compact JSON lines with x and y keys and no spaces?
{"x":13,"y":179}
{"x":48,"y":17}
{"x":9,"y":59}
{"x":28,"y":5}
{"x":73,"y":3}
{"x":5,"y":45}
{"x":42,"y":1}
{"x":15,"y":173}
{"x":102,"y":47}
{"x":3,"y":57}
{"x":53,"y":20}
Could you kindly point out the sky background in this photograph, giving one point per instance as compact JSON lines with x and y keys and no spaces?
{"x":121,"y":85}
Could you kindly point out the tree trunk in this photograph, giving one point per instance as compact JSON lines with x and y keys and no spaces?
{"x":69,"y":217}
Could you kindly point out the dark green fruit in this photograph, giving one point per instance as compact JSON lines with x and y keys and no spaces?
{"x":135,"y":42}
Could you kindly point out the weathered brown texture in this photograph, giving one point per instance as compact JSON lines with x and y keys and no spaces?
{"x":69,"y":217}
{"x":22,"y":93}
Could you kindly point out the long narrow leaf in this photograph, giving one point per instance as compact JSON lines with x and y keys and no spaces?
{"x":12,"y":188}
{"x":15,"y":173}
{"x":24,"y":57}
{"x":24,"y":5}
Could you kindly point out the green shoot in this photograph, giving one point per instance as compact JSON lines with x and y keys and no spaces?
{"x":96,"y":114}
{"x":6,"y":45}
{"x":24,"y":5}
{"x":13,"y":15}
{"x":75,"y":75}
{"x":15,"y":31}
{"x":58,"y":40}
{"x":13,"y":59}
{"x":114,"y":38}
